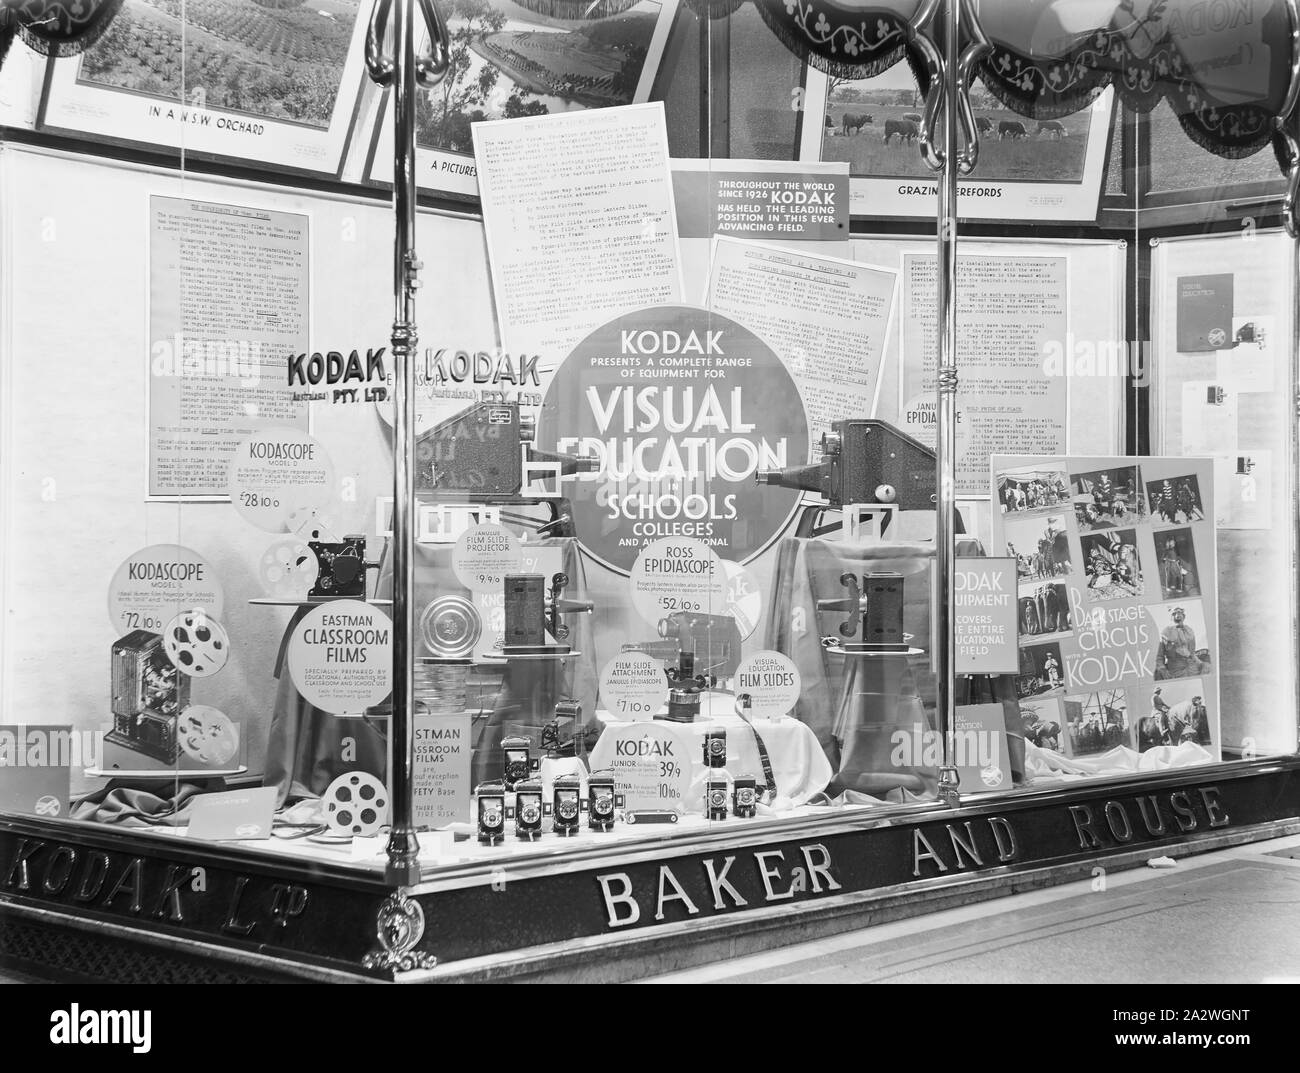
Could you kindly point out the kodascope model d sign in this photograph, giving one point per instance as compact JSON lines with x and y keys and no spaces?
{"x":681,"y":407}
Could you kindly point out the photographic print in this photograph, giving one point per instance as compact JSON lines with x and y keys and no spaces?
{"x":508,"y":62}
{"x":1032,"y":169}
{"x":1107,"y":498}
{"x":1183,"y":650}
{"x":1043,"y":610}
{"x":1041,"y":671}
{"x":1176,"y":499}
{"x":272,"y":81}
{"x":1031,"y":489}
{"x":1040,"y":545}
{"x":1110,"y":561}
{"x":1097,"y":722}
{"x":1179,"y":712}
{"x":1040,"y":723}
{"x":1176,"y":553}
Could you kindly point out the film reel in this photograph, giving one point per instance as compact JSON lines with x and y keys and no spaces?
{"x":306,"y":523}
{"x":451,"y":627}
{"x":356,"y":804}
{"x":196,"y":643}
{"x":288,"y":570}
{"x":206,"y":735}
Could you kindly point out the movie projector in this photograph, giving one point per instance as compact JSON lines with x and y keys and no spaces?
{"x":485,"y":455}
{"x":312,"y":564}
{"x":865,"y":464}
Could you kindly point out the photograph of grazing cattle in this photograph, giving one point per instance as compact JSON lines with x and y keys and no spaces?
{"x":904,"y":129}
{"x":853,"y":122}
{"x":869,"y":120}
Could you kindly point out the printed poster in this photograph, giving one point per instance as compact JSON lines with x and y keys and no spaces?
{"x":272,"y":83}
{"x":510,"y":61}
{"x":596,"y":238}
{"x":1204,"y":312}
{"x":796,"y":206}
{"x":228,"y":303}
{"x":828,"y":318}
{"x":1013,"y":316}
{"x":1115,"y":559}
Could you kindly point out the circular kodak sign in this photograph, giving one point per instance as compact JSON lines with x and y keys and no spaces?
{"x":680,"y":407}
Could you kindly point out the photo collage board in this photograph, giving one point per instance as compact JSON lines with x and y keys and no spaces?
{"x":1116,"y":600}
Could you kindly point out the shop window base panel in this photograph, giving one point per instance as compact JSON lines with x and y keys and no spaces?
{"x":86,"y":903}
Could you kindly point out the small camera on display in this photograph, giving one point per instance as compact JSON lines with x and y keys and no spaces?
{"x":744,"y":797}
{"x":519,"y":761}
{"x":491,"y":803}
{"x":529,"y":810}
{"x":715,"y":748}
{"x":342,"y":568}
{"x":560,"y":735}
{"x":566,"y":805}
{"x":715,"y":798}
{"x":603,"y":801}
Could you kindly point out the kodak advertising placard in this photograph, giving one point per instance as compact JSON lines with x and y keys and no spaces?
{"x":1117,"y":616}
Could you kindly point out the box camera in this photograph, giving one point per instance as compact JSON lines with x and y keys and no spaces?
{"x":148,"y":694}
{"x":341,"y":570}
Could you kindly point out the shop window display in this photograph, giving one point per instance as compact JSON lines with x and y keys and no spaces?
{"x":714,"y":482}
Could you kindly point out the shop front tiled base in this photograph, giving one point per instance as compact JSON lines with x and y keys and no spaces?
{"x":70,"y":894}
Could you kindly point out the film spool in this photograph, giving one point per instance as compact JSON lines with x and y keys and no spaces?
{"x":207,"y":735}
{"x":288,"y":570}
{"x":196,"y":643}
{"x":306,"y":523}
{"x":451,"y":627}
{"x":356,"y":804}
{"x":442,"y":687}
